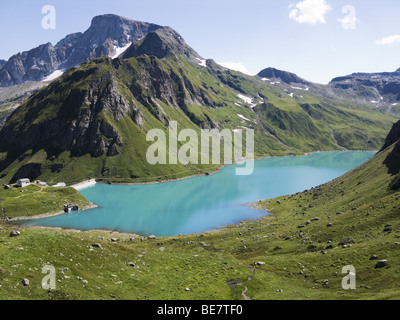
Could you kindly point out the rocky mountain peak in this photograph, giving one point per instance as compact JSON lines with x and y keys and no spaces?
{"x":105,"y":37}
{"x":161,"y":43}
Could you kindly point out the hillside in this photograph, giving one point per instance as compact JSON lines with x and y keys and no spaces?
{"x":92,"y":121}
{"x":297,"y":252}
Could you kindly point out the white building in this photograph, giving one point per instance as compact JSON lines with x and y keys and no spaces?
{"x":60,"y":185}
{"x":21,"y":183}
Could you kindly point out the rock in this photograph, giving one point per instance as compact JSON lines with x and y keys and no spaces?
{"x":325,"y":282}
{"x":330,"y":224}
{"x":345,"y":240}
{"x":187,"y":289}
{"x":25,"y":282}
{"x":6,"y":186}
{"x":14,"y":233}
{"x":260,"y":263}
{"x":161,"y":249}
{"x":96,"y":245}
{"x":388,"y":228}
{"x":279,"y":290}
{"x":114,"y":239}
{"x":152,"y":237}
{"x":131,"y":264}
{"x":308,"y":222}
{"x":381,"y":264}
{"x":300,"y":226}
{"x":373,"y":257}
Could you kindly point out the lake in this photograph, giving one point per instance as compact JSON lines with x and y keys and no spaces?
{"x":204,"y":203}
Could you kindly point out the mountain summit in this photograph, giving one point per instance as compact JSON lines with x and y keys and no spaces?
{"x":107,"y":35}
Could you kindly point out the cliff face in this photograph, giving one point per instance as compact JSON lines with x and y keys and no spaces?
{"x":393,"y":159}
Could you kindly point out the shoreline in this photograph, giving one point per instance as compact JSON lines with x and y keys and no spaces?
{"x":92,"y":182}
{"x":214,"y":172}
{"x":49,"y":215}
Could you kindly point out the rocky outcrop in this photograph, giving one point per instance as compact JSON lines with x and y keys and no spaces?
{"x":374,"y":88}
{"x":393,"y":159}
{"x":80,"y":122}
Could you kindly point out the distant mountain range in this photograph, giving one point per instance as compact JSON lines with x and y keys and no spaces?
{"x":91,"y":121}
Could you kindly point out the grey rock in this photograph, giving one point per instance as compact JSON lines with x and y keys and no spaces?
{"x":14,"y":233}
{"x":381,"y":264}
{"x":25,"y":282}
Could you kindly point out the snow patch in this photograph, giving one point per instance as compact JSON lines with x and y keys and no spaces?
{"x":53,"y":76}
{"x":238,"y":104}
{"x":120,"y":50}
{"x":243,"y":117}
{"x":202,"y":62}
{"x":245,"y":99}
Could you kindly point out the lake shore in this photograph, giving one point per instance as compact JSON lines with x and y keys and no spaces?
{"x":48,"y":215}
{"x":86,"y":183}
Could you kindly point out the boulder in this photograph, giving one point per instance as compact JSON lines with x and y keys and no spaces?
{"x":14,"y":233}
{"x":381,"y":264}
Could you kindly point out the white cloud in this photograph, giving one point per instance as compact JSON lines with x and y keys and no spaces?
{"x":310,"y":11}
{"x":237,"y":66}
{"x":389,"y":40}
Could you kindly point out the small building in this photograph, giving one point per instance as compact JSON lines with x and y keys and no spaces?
{"x":60,"y":185}
{"x":21,"y":183}
{"x":70,"y":207}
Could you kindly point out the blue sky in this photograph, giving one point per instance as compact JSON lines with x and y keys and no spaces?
{"x":312,"y":38}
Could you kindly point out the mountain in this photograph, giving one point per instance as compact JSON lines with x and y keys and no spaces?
{"x":107,"y":35}
{"x":2,"y":63}
{"x":92,"y":121}
{"x":375,"y":88}
{"x":284,"y":76}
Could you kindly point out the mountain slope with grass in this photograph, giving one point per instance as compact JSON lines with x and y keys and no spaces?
{"x":93,"y":120}
{"x":297,"y":252}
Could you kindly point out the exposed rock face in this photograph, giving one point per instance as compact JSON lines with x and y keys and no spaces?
{"x":79,"y":123}
{"x":106,"y":33}
{"x":162,"y":43}
{"x":373,"y":87}
{"x":393,"y":159}
{"x":30,"y":171}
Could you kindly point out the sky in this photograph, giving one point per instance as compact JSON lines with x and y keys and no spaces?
{"x":316,"y":39}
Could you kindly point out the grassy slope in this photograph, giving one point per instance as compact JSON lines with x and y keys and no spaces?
{"x":36,"y":200}
{"x":205,"y":263}
{"x":284,"y":125}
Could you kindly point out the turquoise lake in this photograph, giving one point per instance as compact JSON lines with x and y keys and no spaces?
{"x":203,"y":203}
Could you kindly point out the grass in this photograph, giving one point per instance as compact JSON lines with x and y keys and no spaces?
{"x":297,"y":262}
{"x":37,"y":200}
{"x":158,"y":91}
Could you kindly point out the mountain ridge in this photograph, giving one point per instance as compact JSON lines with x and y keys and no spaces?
{"x":105,"y":34}
{"x":96,"y":116}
